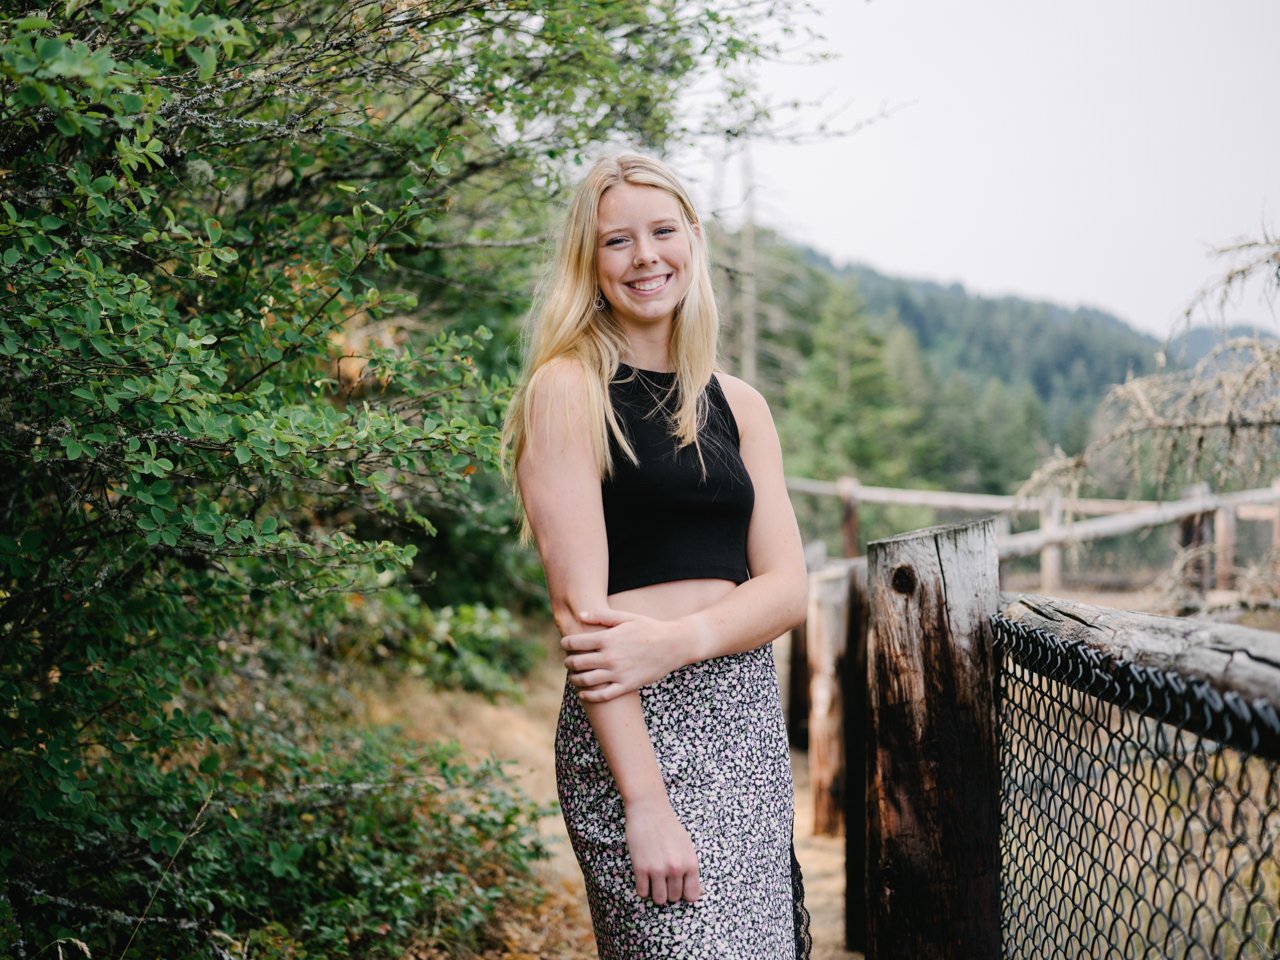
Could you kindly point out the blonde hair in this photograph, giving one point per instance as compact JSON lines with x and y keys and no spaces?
{"x":565,"y":323}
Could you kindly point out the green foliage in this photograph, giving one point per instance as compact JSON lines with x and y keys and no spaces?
{"x":316,"y":837}
{"x":469,"y":647}
{"x":856,"y":435}
{"x":369,"y":843}
{"x":246,"y":288}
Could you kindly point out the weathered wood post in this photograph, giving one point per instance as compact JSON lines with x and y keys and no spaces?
{"x":854,"y":690}
{"x":1003,"y":528}
{"x":1051,"y":553}
{"x":1192,"y":538}
{"x":826,"y":630}
{"x":848,"y":488}
{"x":1275,"y":529}
{"x":798,"y":688}
{"x":815,"y":557}
{"x":933,"y":857}
{"x":1224,"y":547}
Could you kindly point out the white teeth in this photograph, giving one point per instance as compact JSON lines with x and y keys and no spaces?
{"x":647,"y":285}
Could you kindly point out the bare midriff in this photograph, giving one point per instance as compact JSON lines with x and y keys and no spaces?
{"x":671,"y":600}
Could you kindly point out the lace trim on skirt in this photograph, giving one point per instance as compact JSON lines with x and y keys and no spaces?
{"x":804,"y":941}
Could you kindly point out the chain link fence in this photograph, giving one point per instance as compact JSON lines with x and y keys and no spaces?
{"x":1140,"y":812}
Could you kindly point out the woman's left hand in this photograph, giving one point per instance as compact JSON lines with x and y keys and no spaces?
{"x":633,"y":651}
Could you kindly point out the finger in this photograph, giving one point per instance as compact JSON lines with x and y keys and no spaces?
{"x":582,"y":642}
{"x":582,"y":662}
{"x":658,"y":890}
{"x":590,"y":678}
{"x":601,"y":694}
{"x":642,"y":884}
{"x":692,"y":886}
{"x":605,"y":618}
{"x":675,"y":887}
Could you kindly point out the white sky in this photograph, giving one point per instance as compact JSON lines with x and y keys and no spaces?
{"x":1085,"y":152}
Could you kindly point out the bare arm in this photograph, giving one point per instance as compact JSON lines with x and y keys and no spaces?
{"x":560,"y":486}
{"x":637,"y":650}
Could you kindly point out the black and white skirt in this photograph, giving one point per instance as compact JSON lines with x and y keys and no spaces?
{"x":721,"y":743}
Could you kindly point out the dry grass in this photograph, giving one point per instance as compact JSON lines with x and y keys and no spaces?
{"x":557,"y":928}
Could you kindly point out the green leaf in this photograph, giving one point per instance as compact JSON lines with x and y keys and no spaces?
{"x":206,"y":59}
{"x":208,"y":523}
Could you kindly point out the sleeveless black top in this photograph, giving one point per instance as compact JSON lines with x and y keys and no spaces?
{"x":666,"y":518}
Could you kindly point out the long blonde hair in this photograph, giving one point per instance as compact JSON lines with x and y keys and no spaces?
{"x":565,"y":323}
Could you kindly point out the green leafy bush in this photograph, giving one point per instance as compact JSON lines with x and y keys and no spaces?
{"x":469,"y":647}
{"x":350,"y":844}
{"x":239,"y":330}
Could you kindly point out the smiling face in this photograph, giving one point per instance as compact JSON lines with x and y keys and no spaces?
{"x":644,"y":254}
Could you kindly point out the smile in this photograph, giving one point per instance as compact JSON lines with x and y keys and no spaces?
{"x":649,"y":285}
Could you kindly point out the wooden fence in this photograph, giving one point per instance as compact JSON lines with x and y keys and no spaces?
{"x":820,"y":687}
{"x":903,"y":729}
{"x":1106,"y":518}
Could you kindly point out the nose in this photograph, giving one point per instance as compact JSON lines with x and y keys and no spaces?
{"x":644,"y":254}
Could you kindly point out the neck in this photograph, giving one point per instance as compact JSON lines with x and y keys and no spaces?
{"x":649,"y":349}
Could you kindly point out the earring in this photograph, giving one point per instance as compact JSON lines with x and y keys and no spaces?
{"x":599,"y":301}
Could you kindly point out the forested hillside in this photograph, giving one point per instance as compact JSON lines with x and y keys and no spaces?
{"x":1070,"y":358}
{"x":908,"y":382}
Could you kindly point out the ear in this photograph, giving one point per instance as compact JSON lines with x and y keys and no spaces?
{"x":696,"y":227}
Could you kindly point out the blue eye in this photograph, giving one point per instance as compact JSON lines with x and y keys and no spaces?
{"x":661,"y":231}
{"x":614,"y":241}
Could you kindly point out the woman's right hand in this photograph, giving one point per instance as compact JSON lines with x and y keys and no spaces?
{"x":662,"y":853}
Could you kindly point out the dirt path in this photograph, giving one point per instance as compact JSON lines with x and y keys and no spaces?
{"x":523,"y":732}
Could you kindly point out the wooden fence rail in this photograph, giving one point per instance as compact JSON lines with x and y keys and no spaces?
{"x":1107,"y":518}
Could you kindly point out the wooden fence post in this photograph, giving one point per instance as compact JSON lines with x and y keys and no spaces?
{"x":1192,"y":537}
{"x":798,"y":688}
{"x":933,"y":831}
{"x":854,"y":690}
{"x":1224,"y":547}
{"x":815,"y":557}
{"x":848,"y":488}
{"x":826,"y":630}
{"x":1275,"y":521}
{"x":1051,"y":553}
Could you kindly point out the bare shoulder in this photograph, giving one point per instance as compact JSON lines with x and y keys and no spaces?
{"x":749,"y":406}
{"x":563,"y":376}
{"x":562,"y":385}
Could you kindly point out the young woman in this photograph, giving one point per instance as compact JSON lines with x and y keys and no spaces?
{"x":654,"y":489}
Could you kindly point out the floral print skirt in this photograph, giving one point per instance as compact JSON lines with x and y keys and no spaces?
{"x":718,"y":733}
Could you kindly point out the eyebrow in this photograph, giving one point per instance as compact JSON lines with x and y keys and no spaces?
{"x":604,"y":231}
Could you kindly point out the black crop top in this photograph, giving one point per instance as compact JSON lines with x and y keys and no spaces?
{"x":665,"y":520}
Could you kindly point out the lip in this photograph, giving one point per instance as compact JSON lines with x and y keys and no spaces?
{"x":664,"y":277}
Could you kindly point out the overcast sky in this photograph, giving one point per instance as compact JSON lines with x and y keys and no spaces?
{"x":1089,"y":152}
